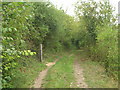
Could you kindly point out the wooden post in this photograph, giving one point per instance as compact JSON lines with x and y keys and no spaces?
{"x":119,"y":12}
{"x":41,"y":52}
{"x":119,"y":41}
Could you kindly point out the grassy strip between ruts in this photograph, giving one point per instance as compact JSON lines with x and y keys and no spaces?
{"x":61,"y":75}
{"x":94,"y":73}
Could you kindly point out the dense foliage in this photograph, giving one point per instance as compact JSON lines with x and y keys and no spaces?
{"x":99,"y":33}
{"x":26,"y":25}
{"x":14,"y":36}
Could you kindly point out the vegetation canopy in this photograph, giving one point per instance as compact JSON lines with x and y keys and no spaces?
{"x":26,"y":25}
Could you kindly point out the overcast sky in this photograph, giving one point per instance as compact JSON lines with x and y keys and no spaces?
{"x":68,"y":5}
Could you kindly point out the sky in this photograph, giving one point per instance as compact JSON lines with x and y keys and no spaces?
{"x":68,"y":5}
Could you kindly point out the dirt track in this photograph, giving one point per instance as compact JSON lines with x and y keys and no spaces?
{"x":78,"y":72}
{"x":42,"y":75}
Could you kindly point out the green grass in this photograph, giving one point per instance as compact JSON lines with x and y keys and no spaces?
{"x":24,"y":77}
{"x":61,"y":74}
{"x":51,"y":57}
{"x":94,"y":73}
{"x":30,"y":70}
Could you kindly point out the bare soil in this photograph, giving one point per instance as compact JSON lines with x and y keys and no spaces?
{"x":78,"y":72}
{"x":39,"y":79}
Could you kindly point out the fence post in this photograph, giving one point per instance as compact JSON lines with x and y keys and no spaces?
{"x":119,"y":41}
{"x":41,"y":53}
{"x":119,"y":12}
